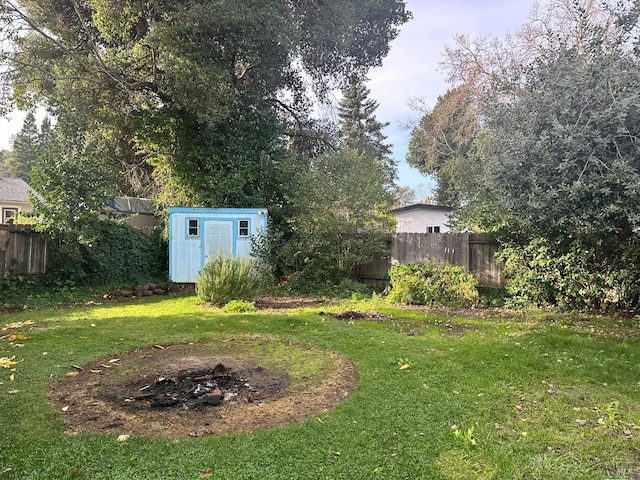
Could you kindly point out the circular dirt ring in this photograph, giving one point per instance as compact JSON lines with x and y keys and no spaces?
{"x":247,"y":384}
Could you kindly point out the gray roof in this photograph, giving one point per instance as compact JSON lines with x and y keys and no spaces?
{"x":133,"y":205}
{"x":423,"y":206}
{"x":14,"y":190}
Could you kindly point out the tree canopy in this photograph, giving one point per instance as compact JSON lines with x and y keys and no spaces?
{"x":442,"y":141}
{"x":26,"y":146}
{"x":189,"y":88}
{"x":507,"y":90}
{"x":565,"y":158}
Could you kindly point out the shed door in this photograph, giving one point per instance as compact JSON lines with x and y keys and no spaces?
{"x":218,"y":239}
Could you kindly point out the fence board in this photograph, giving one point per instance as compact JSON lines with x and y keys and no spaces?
{"x":22,"y":250}
{"x":474,"y":252}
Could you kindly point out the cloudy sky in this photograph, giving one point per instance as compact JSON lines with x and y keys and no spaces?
{"x":411,"y":69}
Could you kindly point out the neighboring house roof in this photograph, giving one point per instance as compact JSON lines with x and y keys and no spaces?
{"x":14,"y":190}
{"x":133,"y":205}
{"x":423,"y":206}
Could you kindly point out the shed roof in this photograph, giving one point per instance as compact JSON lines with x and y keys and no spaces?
{"x":133,"y":205}
{"x":14,"y":190}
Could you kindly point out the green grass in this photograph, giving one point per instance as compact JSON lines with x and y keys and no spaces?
{"x":542,"y":397}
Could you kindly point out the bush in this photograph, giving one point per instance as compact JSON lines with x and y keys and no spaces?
{"x":572,"y":274}
{"x":432,"y":284}
{"x":240,"y":306}
{"x":224,"y":279}
{"x":122,"y":255}
{"x":119,"y":255}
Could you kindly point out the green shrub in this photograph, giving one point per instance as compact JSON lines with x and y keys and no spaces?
{"x":118,"y":255}
{"x":240,"y":306}
{"x":572,"y":274}
{"x":224,"y":279}
{"x":122,"y":255}
{"x":432,"y":284}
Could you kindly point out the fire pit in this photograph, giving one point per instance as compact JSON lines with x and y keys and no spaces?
{"x":194,"y":389}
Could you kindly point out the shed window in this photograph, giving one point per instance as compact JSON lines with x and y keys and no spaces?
{"x":9,"y":215}
{"x":243,"y":228}
{"x":435,"y":229}
{"x":194,"y":227}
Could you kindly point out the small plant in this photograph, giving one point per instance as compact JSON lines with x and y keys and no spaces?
{"x":466,"y":436}
{"x":240,"y":306}
{"x":403,"y":363}
{"x":224,"y":279}
{"x":612,"y":411}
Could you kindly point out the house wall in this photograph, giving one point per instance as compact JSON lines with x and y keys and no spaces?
{"x":20,"y":206}
{"x":417,"y":221}
{"x":218,"y":232}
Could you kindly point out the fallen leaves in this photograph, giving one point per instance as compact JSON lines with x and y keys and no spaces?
{"x":14,"y":325}
{"x":122,"y":438}
{"x":12,"y":337}
{"x":7,"y":362}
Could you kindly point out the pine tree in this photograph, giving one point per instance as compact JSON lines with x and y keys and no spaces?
{"x":25,"y":150}
{"x":46,"y":133}
{"x":360,"y":129}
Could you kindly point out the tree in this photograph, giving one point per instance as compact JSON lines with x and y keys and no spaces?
{"x":25,"y":150}
{"x":5,"y":161}
{"x":555,"y":143}
{"x":448,"y":142}
{"x":342,"y":218}
{"x":72,"y":186}
{"x":441,"y":145}
{"x":564,"y":158}
{"x":361,"y":131}
{"x":162,"y":81}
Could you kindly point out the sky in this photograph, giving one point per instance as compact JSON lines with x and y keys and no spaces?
{"x":411,"y":69}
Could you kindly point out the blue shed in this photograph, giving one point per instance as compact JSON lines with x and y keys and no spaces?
{"x":196,"y":234}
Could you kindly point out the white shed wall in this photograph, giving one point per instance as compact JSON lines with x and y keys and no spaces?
{"x":197,"y":234}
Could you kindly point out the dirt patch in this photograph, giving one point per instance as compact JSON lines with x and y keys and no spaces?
{"x":280,"y":303}
{"x":411,"y":329}
{"x":355,"y":315}
{"x":189,"y":390}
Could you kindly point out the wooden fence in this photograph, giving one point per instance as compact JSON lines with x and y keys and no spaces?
{"x":22,"y":250}
{"x":473,"y":251}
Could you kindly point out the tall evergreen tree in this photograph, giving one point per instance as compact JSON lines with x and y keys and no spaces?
{"x":25,"y":150}
{"x":360,"y":129}
{"x":3,"y":158}
{"x":46,"y":133}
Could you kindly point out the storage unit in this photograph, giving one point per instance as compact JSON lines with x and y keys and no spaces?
{"x":197,"y":234}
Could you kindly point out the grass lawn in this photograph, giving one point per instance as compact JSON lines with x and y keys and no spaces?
{"x":440,"y":396}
